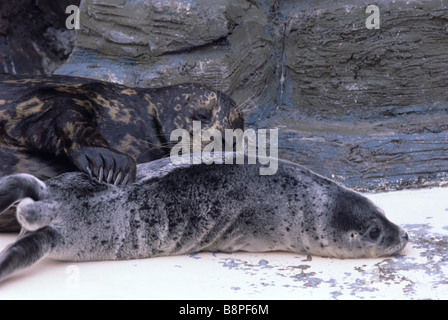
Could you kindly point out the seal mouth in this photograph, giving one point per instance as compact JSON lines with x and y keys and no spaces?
{"x":403,"y":239}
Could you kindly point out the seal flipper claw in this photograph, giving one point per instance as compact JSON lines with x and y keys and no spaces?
{"x":109,"y":176}
{"x":99,"y":162}
{"x":126,"y":179}
{"x":118,"y":179}
{"x":89,"y":171}
{"x":100,"y":174}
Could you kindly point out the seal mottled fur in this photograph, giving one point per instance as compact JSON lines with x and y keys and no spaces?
{"x":179,"y":209}
{"x":55,"y":124}
{"x":101,"y":128}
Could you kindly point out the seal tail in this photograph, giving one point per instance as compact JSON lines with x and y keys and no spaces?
{"x":16,"y":187}
{"x":27,"y":250}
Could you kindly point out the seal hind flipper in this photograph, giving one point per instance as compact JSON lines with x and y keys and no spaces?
{"x":34,"y":215}
{"x":27,"y":250}
{"x":16,"y":187}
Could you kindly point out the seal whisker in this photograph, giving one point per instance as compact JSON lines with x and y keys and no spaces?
{"x":245,"y":102}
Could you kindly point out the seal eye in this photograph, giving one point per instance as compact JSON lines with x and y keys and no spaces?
{"x":201,"y":116}
{"x":374,"y":233}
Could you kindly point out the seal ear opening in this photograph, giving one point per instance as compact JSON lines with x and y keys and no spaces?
{"x":19,"y":186}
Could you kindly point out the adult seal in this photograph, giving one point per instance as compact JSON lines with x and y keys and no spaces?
{"x":54,"y":124}
{"x":179,"y":209}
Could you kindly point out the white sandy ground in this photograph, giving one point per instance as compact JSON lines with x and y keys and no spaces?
{"x":421,"y":272}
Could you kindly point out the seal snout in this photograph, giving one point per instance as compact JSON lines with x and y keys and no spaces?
{"x":403,"y":239}
{"x":405,"y":236}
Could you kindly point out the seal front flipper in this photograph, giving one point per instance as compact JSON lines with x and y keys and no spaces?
{"x":70,"y":129}
{"x":105,"y":164}
{"x":87,"y":149}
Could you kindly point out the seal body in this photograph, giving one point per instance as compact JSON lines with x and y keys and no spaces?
{"x":179,"y":209}
{"x":55,"y":124}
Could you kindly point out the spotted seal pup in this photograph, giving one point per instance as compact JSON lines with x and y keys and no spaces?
{"x":183,"y":208}
{"x":54,"y":124}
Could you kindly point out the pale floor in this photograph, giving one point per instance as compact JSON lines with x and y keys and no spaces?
{"x":421,"y":272}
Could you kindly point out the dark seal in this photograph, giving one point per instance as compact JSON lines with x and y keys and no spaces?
{"x":175,"y":209}
{"x":54,"y":124}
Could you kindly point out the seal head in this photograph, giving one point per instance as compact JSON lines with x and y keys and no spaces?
{"x":349,"y":226}
{"x":178,"y":106}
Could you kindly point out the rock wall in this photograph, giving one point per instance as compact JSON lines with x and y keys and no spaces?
{"x":336,"y":65}
{"x":228,"y":45}
{"x":365,"y":106}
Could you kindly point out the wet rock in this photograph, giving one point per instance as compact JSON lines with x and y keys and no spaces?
{"x":367,"y":107}
{"x":336,"y":65}
{"x":228,"y":45}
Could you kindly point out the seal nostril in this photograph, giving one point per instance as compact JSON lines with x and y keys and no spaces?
{"x":405,"y":237}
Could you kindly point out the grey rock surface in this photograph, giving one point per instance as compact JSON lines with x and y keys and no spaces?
{"x":367,"y":107}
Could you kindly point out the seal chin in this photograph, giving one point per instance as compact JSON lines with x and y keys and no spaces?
{"x":403,"y":241}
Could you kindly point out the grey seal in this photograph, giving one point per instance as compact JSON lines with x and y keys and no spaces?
{"x":52,"y":124}
{"x":184,"y":208}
